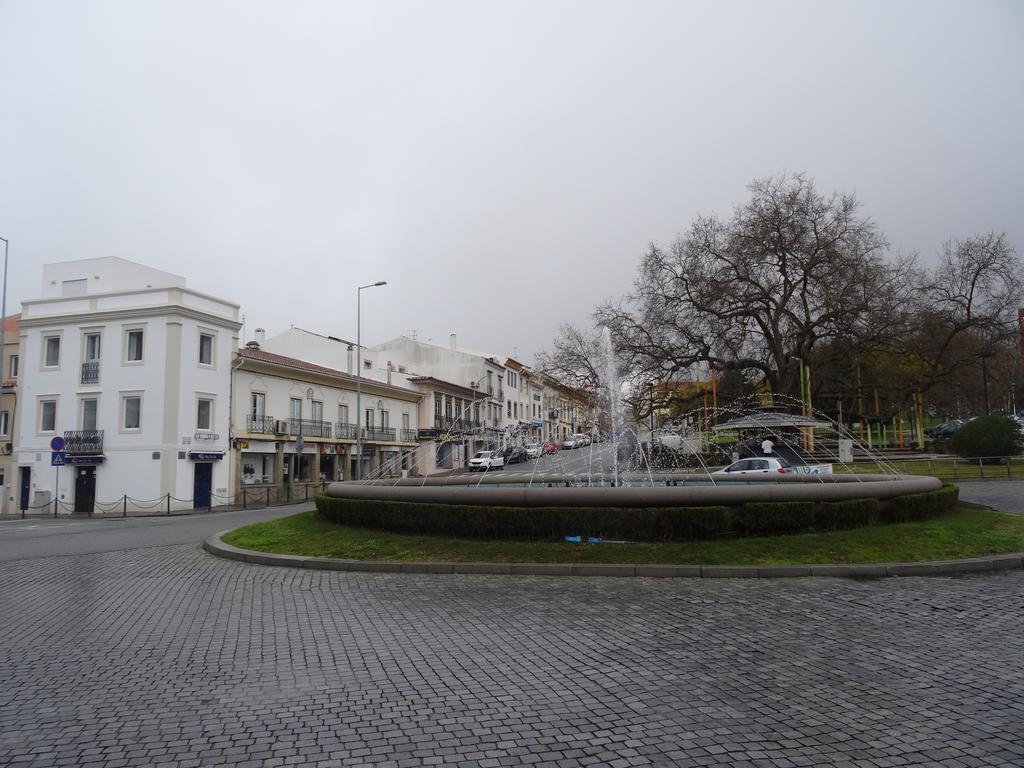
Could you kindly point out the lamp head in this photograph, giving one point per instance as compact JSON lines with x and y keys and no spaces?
{"x":382,"y":282}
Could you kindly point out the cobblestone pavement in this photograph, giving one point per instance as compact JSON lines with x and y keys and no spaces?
{"x":1004,"y":495}
{"x":170,"y":657}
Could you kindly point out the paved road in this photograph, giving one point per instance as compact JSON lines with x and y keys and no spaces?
{"x":166,"y":656}
{"x":1004,"y":495}
{"x":46,"y":537}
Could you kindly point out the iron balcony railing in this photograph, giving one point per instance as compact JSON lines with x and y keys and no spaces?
{"x":260,"y":425}
{"x":84,"y":441}
{"x":452,"y":424}
{"x":345,"y":431}
{"x":408,"y":435}
{"x":379,"y":433}
{"x":309,"y":428}
{"x":91,"y":372}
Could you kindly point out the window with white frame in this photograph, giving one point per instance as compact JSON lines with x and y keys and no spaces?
{"x":259,"y":404}
{"x":295,"y":409}
{"x":47,"y":415}
{"x":369,"y":418}
{"x":204,"y":414}
{"x":385,"y":419}
{"x":92,"y":347}
{"x":3,"y":423}
{"x":12,"y":369}
{"x":89,"y":405}
{"x":206,"y":348}
{"x":343,"y":414}
{"x":405,"y":421}
{"x":131,"y":412}
{"x":317,"y":411}
{"x":51,"y":351}
{"x":133,"y":345}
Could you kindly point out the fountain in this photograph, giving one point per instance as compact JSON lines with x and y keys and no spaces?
{"x":684,"y":478}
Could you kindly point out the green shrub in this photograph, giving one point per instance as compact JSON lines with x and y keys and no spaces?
{"x":528,"y":523}
{"x":644,"y":524}
{"x":988,"y":436}
{"x":755,"y":519}
{"x":851,"y":513}
{"x":921,"y":506}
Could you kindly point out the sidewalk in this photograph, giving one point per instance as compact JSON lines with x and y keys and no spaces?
{"x":1003,"y":495}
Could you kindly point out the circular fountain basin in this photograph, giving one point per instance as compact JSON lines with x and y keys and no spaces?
{"x":631,"y":490}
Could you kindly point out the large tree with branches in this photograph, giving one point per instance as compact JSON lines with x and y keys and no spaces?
{"x":790,"y":270}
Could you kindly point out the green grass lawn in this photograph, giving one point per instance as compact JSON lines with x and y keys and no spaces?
{"x":968,"y":532}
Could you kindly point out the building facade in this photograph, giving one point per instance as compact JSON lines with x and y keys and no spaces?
{"x":10,"y":365}
{"x":294,"y":424}
{"x":130,"y":370}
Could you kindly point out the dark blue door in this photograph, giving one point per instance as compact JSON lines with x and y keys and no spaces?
{"x":202,"y":485}
{"x":26,"y":477}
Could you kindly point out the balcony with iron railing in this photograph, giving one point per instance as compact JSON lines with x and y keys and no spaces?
{"x":345,"y":431}
{"x":83,"y":441}
{"x":309,"y":428}
{"x":91,"y":372}
{"x":408,"y":435}
{"x":384,"y":434}
{"x":452,"y":424}
{"x":260,"y":425}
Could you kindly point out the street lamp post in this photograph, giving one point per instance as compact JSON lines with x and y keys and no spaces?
{"x":359,"y":376}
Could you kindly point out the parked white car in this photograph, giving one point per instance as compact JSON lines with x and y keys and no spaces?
{"x":578,"y":440}
{"x":533,"y":450}
{"x":759,"y":466}
{"x":485,"y":460}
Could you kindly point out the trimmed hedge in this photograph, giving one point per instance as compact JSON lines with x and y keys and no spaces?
{"x":527,"y":522}
{"x":766,"y":518}
{"x":852,"y":513}
{"x":644,"y":524}
{"x":922,"y":506}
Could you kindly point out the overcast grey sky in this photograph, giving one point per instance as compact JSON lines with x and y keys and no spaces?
{"x":503,"y":166}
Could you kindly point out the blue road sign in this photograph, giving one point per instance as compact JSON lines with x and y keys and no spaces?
{"x":57,"y":444}
{"x":57,"y":459}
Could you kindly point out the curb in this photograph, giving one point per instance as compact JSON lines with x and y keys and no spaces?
{"x":215,"y":546}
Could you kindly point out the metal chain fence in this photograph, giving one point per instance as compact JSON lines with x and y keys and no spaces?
{"x":168,"y":504}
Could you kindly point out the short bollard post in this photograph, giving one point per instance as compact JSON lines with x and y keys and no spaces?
{"x":124,"y":508}
{"x":168,"y":503}
{"x":243,"y":498}
{"x":306,"y":491}
{"x":268,"y":496}
{"x":55,"y":507}
{"x":981,"y":469}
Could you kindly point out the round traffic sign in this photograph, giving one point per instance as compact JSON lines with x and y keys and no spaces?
{"x":57,"y":444}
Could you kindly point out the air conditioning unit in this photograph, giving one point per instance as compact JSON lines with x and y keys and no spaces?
{"x":281,"y":427}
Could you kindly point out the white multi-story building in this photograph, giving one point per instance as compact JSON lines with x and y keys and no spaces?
{"x":132,"y":370}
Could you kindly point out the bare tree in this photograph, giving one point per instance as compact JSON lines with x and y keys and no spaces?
{"x":790,"y":269}
{"x":966,"y":310}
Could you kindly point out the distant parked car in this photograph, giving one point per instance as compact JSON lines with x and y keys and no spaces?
{"x":533,"y":450}
{"x":513,"y":454}
{"x":548,"y":448}
{"x":763,"y":466}
{"x":945,"y":429}
{"x":571,"y":442}
{"x":485,"y":460}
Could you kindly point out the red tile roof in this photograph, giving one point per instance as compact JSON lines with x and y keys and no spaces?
{"x":11,"y":323}
{"x":292,"y":362}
